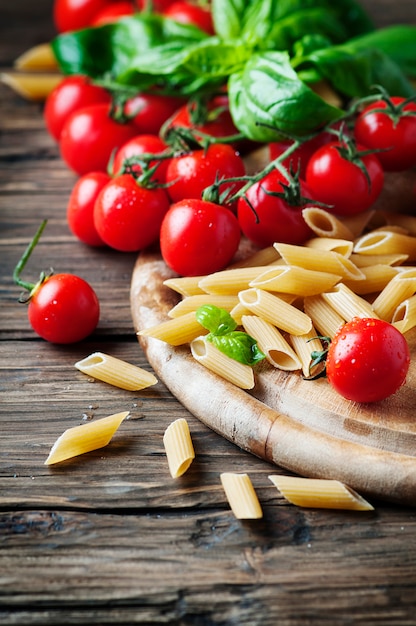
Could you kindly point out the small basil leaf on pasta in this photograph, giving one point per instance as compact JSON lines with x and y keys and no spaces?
{"x":239,"y":346}
{"x":218,"y":321}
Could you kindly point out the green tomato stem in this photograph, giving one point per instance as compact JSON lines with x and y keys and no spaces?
{"x":25,"y":257}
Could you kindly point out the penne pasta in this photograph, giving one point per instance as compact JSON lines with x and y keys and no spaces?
{"x":230,"y":281}
{"x":185,"y":285}
{"x":37,"y":58}
{"x":358,"y":223}
{"x":404,"y":317}
{"x":342,"y":246}
{"x":348,"y":304}
{"x":304,"y":345}
{"x":85,"y":438}
{"x":319,"y":493}
{"x":208,"y":355}
{"x":30,"y":85}
{"x":272,"y":343}
{"x":324,"y":317}
{"x":192,"y":303}
{"x":319,"y":260}
{"x":178,"y":447}
{"x":386,"y":242}
{"x":401,"y":287}
{"x":276,"y":311}
{"x":407,"y":222}
{"x":241,"y":496}
{"x":324,"y":224}
{"x":116,"y":372}
{"x":295,"y":280}
{"x":366,"y":260}
{"x":176,"y":331}
{"x":376,"y":277}
{"x":265,"y":256}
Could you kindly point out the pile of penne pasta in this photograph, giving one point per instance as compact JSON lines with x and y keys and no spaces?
{"x":287,"y":296}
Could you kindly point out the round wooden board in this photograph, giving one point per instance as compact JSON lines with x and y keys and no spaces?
{"x":302,"y":426}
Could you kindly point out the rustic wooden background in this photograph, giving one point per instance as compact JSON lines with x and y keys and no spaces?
{"x":110,"y":538}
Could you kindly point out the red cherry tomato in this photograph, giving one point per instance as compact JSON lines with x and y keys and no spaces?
{"x":214,"y":119}
{"x":113,"y":12}
{"x":298,"y":160}
{"x":142,"y":144}
{"x":148,"y":112}
{"x":368,"y":360}
{"x":189,"y":174}
{"x":198,"y":237}
{"x":341,"y":183}
{"x":90,"y":136}
{"x":158,"y":6}
{"x":267,"y":218}
{"x":187,"y":13}
{"x":80,"y":209}
{"x":76,"y":14}
{"x":391,"y":131}
{"x":64,"y":309}
{"x":72,"y":93}
{"x":128,"y":216}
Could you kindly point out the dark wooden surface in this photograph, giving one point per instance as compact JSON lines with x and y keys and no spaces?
{"x":110,"y":538}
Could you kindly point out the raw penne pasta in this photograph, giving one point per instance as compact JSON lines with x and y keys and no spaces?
{"x":366,"y":260}
{"x":348,"y":304}
{"x":319,"y":260}
{"x":38,"y":58}
{"x":401,"y":287}
{"x":205,"y":353}
{"x":407,"y":222}
{"x":342,"y":246}
{"x":304,"y":345}
{"x":324,"y":317}
{"x":31,"y":86}
{"x":238,"y":311}
{"x":376,"y":277}
{"x":185,"y":285}
{"x":319,"y":493}
{"x":324,"y":224}
{"x":272,"y":343}
{"x":404,"y":317}
{"x":178,"y":447}
{"x":85,"y":438}
{"x":176,"y":331}
{"x":232,"y":281}
{"x":116,"y":372}
{"x":386,"y":242}
{"x":241,"y":496}
{"x":295,"y":280}
{"x":192,"y":303}
{"x":265,"y":256}
{"x":358,"y":223}
{"x":275,"y":310}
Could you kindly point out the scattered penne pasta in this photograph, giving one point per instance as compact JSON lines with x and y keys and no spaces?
{"x":404,"y":317}
{"x":85,"y":438}
{"x":319,"y":260}
{"x":342,"y":246}
{"x":295,"y":280}
{"x":386,"y":242}
{"x":38,"y":58}
{"x":116,"y":372}
{"x":216,"y":361}
{"x":176,"y":331}
{"x":347,"y":304}
{"x":401,"y":287}
{"x":276,"y":311}
{"x":178,"y":447}
{"x":241,"y":496}
{"x":185,"y":285}
{"x":230,"y":281}
{"x":272,"y":343}
{"x":324,"y":224}
{"x":319,"y":493}
{"x":192,"y":303}
{"x":30,"y":85}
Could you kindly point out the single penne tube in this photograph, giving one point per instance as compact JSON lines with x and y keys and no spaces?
{"x":85,"y":438}
{"x":401,"y":287}
{"x":175,"y":331}
{"x":295,"y":280}
{"x":116,"y":372}
{"x":178,"y":447}
{"x":241,"y":496}
{"x":348,"y":304}
{"x":265,"y":256}
{"x":272,"y":343}
{"x":376,"y":277}
{"x":324,"y":224}
{"x":232,"y":281}
{"x":208,"y":355}
{"x":31,"y":86}
{"x":276,"y":311}
{"x":324,"y":317}
{"x":404,"y":317}
{"x":365,"y":260}
{"x":319,"y":260}
{"x":192,"y":303}
{"x":185,"y":285}
{"x":238,"y":311}
{"x":304,"y":345}
{"x":38,"y":58}
{"x":342,"y":246}
{"x":319,"y":493}
{"x":386,"y":242}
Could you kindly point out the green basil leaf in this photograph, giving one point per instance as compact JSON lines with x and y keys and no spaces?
{"x":239,"y":346}
{"x":267,"y":96}
{"x":218,"y":321}
{"x":227,"y":16}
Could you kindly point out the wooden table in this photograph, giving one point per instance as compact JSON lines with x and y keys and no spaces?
{"x":111,"y":538}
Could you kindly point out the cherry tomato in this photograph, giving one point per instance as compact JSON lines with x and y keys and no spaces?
{"x":298,"y":160}
{"x":72,"y":93}
{"x":198,"y":237}
{"x":89,"y":137}
{"x":64,"y":309}
{"x":158,"y":6}
{"x":189,"y":174}
{"x":113,"y":12}
{"x":212,"y":119}
{"x":76,"y":14}
{"x":267,"y":218}
{"x":368,"y":360}
{"x":340,"y":182}
{"x":142,"y":144}
{"x":148,"y":112}
{"x":80,"y":209}
{"x":391,"y":130}
{"x":187,"y":13}
{"x":128,"y":216}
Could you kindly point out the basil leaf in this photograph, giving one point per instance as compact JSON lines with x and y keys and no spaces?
{"x":227,"y":15}
{"x":239,"y":346}
{"x":266,"y":97}
{"x":218,"y":321}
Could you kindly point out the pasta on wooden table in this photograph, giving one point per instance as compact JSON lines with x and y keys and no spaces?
{"x":241,"y":496}
{"x":116,"y":372}
{"x":176,"y":331}
{"x":178,"y":447}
